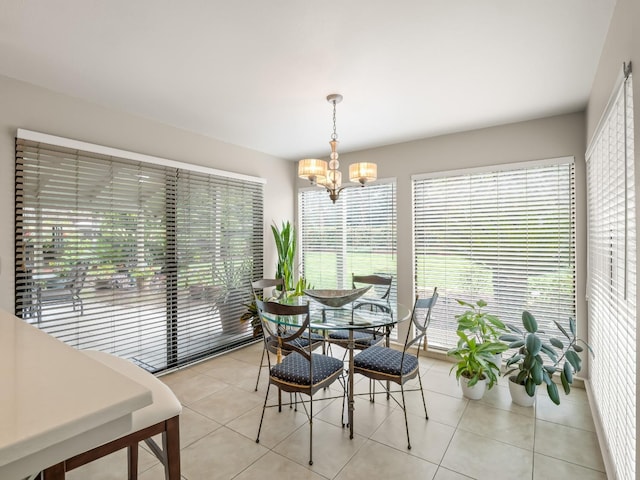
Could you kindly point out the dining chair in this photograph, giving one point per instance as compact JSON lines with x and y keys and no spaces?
{"x":299,"y":371}
{"x":378,"y":296}
{"x":381,"y":287}
{"x":277,"y":284}
{"x":386,"y":365}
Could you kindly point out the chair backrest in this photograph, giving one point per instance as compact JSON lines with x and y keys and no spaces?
{"x":420,"y":318}
{"x":382,"y":281}
{"x":258,"y":287}
{"x":79,"y":275}
{"x":275,"y":337}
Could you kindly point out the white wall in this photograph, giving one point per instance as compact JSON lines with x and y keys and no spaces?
{"x":518,"y":142}
{"x":25,"y":106}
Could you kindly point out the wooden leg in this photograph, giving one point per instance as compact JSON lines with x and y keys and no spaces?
{"x":55,"y":472}
{"x":132,"y":454}
{"x":171,"y":447}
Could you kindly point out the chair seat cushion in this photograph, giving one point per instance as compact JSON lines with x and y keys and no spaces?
{"x":385,"y":360}
{"x":294,"y":368}
{"x":361,"y":339}
{"x":303,"y":341}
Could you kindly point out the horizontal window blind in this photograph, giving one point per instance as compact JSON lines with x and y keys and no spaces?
{"x":146,"y":261}
{"x":356,"y":235}
{"x":612,"y":279}
{"x":504,"y":236}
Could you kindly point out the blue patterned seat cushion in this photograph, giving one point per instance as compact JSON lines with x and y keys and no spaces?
{"x":385,"y":360}
{"x":295,"y":368}
{"x":361,"y":339}
{"x":302,"y":341}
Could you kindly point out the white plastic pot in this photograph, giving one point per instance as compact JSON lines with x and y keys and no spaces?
{"x":519,"y":395}
{"x":475,"y":392}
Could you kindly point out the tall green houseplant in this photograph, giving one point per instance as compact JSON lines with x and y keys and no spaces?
{"x":285,"y":238}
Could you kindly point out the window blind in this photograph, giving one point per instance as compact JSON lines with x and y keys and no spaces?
{"x":612,"y":278}
{"x":506,"y":236}
{"x":147,"y":261}
{"x":356,"y":235}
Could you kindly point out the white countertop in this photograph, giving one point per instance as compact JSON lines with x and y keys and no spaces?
{"x":51,"y":392}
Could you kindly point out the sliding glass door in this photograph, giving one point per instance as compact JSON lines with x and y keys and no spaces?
{"x":147,"y":261}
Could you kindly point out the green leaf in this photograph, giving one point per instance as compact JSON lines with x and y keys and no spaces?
{"x":529,"y":322}
{"x":577,"y":348}
{"x":552,"y":390}
{"x":561,"y":328}
{"x":565,"y":383}
{"x":568,"y":372}
{"x":516,"y":344}
{"x":546,"y":377}
{"x":533,"y":344}
{"x":510,"y":338}
{"x":557,"y":343}
{"x":514,"y":359}
{"x":588,"y":347}
{"x":536,"y":373}
{"x":513,"y":328}
{"x":549,"y":352}
{"x":495,"y":321}
{"x":481,"y":303}
{"x":574,"y":360}
{"x":530,"y":387}
{"x":572,"y":325}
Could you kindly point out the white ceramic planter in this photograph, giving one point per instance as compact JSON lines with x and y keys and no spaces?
{"x":519,"y":395}
{"x":497,"y":360}
{"x":473,"y":393}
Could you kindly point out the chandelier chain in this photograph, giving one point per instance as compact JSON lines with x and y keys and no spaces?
{"x":334,"y":135}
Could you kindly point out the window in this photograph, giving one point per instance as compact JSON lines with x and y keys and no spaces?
{"x":504,"y":235}
{"x":612,"y":278}
{"x":150,"y":261}
{"x":357,"y":235}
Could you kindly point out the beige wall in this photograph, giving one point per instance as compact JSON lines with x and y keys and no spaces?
{"x":25,"y":106}
{"x":518,"y":142}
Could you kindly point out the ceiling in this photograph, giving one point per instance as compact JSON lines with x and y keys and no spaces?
{"x":256,"y":73}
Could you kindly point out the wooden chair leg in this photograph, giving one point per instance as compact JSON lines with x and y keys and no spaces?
{"x":132,"y":454}
{"x":54,"y":472}
{"x":171,"y":447}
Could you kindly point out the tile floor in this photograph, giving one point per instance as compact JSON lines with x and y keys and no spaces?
{"x":487,"y":439}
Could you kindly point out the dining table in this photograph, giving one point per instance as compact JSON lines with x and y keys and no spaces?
{"x":324,"y":319}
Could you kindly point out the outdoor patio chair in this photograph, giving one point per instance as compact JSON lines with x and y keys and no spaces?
{"x":62,"y":289}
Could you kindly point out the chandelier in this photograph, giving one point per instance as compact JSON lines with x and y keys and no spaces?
{"x":329,"y":176}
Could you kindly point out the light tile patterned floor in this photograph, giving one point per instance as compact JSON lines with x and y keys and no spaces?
{"x":487,"y":439}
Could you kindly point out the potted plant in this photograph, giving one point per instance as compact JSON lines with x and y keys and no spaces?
{"x":229,"y":289}
{"x":529,"y":363}
{"x":252,"y":315}
{"x":285,"y":239}
{"x":483,"y":326}
{"x":475,"y":364}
